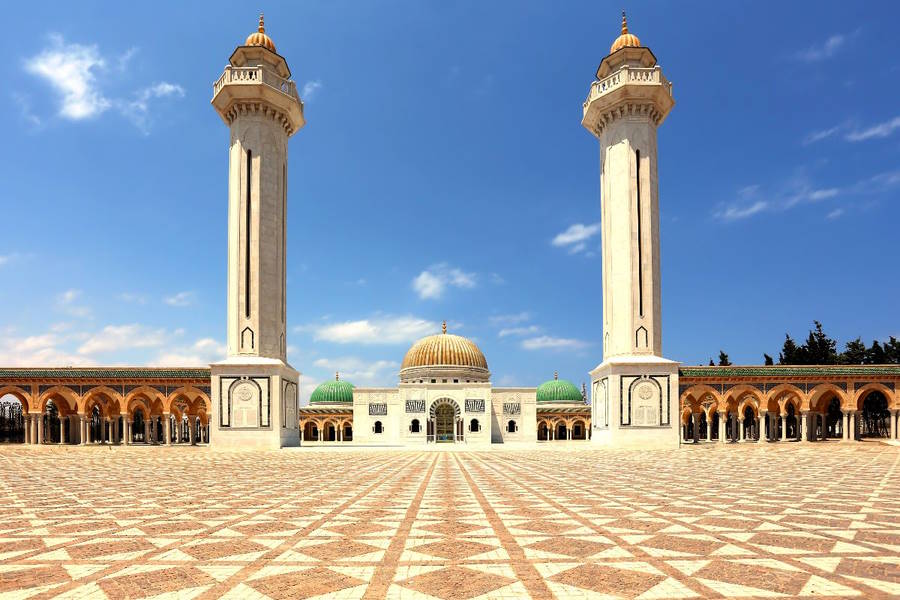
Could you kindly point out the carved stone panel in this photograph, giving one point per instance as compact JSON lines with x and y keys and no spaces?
{"x":245,"y":405}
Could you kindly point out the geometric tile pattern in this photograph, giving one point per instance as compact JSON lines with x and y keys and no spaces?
{"x":711,"y":521}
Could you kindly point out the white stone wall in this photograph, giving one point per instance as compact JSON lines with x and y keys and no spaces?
{"x":526,"y":420}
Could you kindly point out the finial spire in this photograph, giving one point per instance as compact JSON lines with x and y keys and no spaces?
{"x":262,"y":25}
{"x":555,"y":375}
{"x":337,"y":375}
{"x":444,"y":327}
{"x":624,"y":23}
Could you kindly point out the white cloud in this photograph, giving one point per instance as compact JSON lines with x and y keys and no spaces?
{"x":360,"y":371}
{"x":38,"y":351}
{"x":881,"y":130}
{"x":79,"y":74}
{"x":377,"y":330}
{"x":180,"y":299}
{"x":546,"y":342}
{"x":201,"y":353}
{"x":529,"y":330}
{"x":576,"y":236}
{"x":834,"y":214}
{"x":311,"y":90}
{"x":822,"y":51}
{"x":113,"y":338}
{"x":431,"y":283}
{"x":71,"y":70}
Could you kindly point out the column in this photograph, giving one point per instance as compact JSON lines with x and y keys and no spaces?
{"x":763,"y":417}
{"x":40,"y":428}
{"x":167,"y":427}
{"x":824,"y":426}
{"x":82,"y":431}
{"x":302,"y":427}
{"x":742,"y":432}
{"x":801,"y":425}
{"x":103,"y":433}
{"x":26,"y":421}
{"x":722,"y":418}
{"x":894,"y":414}
{"x":855,"y":425}
{"x":783,"y":421}
{"x":191,"y":424}
{"x":845,"y":426}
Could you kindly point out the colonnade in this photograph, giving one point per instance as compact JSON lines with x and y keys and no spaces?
{"x":808,"y":426}
{"x":77,"y":429}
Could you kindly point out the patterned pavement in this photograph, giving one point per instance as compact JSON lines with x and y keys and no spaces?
{"x":740,"y":521}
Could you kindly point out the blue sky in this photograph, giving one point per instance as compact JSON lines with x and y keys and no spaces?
{"x":444,"y":174}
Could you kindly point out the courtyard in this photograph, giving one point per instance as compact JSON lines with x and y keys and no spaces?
{"x":735,"y":521}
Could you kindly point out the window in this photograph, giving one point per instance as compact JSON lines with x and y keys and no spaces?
{"x":474,"y":426}
{"x":445,"y":381}
{"x":414,"y":426}
{"x":378,"y":427}
{"x":456,"y":381}
{"x":511,"y":427}
{"x":434,"y":381}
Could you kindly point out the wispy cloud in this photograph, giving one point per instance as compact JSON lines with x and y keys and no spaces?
{"x":180,"y":299}
{"x":79,"y":74}
{"x":361,"y":371}
{"x":202,"y":352}
{"x":138,"y":109}
{"x":510,"y":319}
{"x":546,"y":342}
{"x":311,"y":90}
{"x":736,"y":212}
{"x":881,"y":130}
{"x":132,"y":298}
{"x":68,"y":303}
{"x":576,"y":236}
{"x":23,"y":101}
{"x":431,"y":283}
{"x":824,"y":50}
{"x":519,"y":331}
{"x":115,"y":338}
{"x":376,"y":330}
{"x":834,"y":214}
{"x":823,"y":134}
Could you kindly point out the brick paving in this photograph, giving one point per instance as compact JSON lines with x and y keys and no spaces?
{"x":739,"y":521}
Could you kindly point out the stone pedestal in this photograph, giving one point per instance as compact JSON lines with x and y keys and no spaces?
{"x":254,"y":404}
{"x":635,"y":403}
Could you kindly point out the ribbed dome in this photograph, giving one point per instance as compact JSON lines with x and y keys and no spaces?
{"x":259,"y":38}
{"x":626,"y":40}
{"x":558,"y":390}
{"x":333,"y":392}
{"x":444,"y":349}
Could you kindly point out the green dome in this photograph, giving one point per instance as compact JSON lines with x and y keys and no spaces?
{"x":333,"y":392}
{"x":559,"y":390}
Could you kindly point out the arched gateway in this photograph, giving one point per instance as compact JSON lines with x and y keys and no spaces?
{"x":444,"y":422}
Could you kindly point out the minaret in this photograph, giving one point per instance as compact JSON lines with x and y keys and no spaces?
{"x":634,"y":389}
{"x":254,"y":389}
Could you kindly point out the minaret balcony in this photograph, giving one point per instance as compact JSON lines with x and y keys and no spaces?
{"x":248,"y":85}
{"x":628,"y":89}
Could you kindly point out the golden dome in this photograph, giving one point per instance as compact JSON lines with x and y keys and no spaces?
{"x":444,"y":349}
{"x":260,"y":38}
{"x":626,"y":40}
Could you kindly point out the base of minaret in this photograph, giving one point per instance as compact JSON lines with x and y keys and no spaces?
{"x":634,"y":403}
{"x":254,"y":404}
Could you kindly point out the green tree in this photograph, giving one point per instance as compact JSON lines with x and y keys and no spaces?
{"x":723,"y":359}
{"x":790,"y":354}
{"x":768,"y":359}
{"x":892,"y":350}
{"x":711,"y":363}
{"x":819,"y":348}
{"x":876,"y":355}
{"x":854,"y":353}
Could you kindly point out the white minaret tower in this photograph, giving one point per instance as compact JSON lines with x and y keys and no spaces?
{"x":634,"y":390}
{"x":254,"y":391}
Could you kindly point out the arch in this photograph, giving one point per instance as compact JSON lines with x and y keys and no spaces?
{"x":415,"y":426}
{"x":579,"y":433}
{"x":860,"y":394}
{"x":347,"y":430}
{"x":56,"y":392}
{"x":94,"y":393}
{"x":783,"y":393}
{"x":699,"y":391}
{"x":442,"y":401}
{"x":822,"y":392}
{"x":474,"y":426}
{"x":543,"y":430}
{"x":136,"y":403}
{"x":511,"y":426}
{"x":378,"y":428}
{"x":18,"y":393}
{"x":190,"y":394}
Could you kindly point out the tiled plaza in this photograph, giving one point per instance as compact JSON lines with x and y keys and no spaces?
{"x":736,"y":521}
